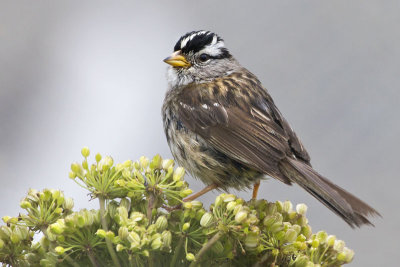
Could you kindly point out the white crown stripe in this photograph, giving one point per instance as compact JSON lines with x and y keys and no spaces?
{"x":190,"y":37}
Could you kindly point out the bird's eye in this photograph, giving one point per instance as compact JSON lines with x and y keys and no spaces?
{"x":204,"y":57}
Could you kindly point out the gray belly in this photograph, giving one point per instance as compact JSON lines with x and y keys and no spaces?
{"x":203,"y":161}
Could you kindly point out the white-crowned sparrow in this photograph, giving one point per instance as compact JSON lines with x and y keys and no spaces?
{"x":224,"y":128}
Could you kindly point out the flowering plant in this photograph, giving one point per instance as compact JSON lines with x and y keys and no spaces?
{"x":142,"y":220}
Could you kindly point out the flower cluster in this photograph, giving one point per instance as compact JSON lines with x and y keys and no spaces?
{"x":143,"y":220}
{"x":44,"y":208}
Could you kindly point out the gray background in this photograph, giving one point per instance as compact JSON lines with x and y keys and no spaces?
{"x":78,"y":73}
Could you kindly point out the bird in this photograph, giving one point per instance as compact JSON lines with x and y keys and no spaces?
{"x":224,"y":128}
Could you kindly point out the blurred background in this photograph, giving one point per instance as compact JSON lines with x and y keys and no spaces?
{"x":90,"y":73}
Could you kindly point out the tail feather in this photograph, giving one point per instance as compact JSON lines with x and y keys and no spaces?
{"x":347,"y":206}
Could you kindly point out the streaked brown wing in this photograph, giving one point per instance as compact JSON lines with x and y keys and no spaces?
{"x":255,"y":135}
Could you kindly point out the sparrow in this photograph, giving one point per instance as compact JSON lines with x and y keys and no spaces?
{"x":224,"y":128}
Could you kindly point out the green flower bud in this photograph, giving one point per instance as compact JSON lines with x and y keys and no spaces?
{"x":239,"y":201}
{"x":112,"y":209}
{"x":275,"y":252}
{"x":126,"y":173}
{"x":287,"y":206}
{"x":339,"y":245}
{"x":292,"y":215}
{"x":207,"y":220}
{"x":279,"y":206}
{"x":269,"y":220}
{"x":56,"y":194}
{"x":144,"y":162}
{"x":134,"y":239}
{"x":185,"y":193}
{"x":315,"y":243}
{"x":296,"y":228}
{"x":60,"y":238}
{"x":229,"y":198}
{"x":25,"y":205}
{"x":76,"y":168}
{"x":187,"y":205}
{"x":85,"y":165}
{"x":178,"y":174}
{"x":276,"y":227}
{"x":301,"y":261}
{"x":166,"y":238}
{"x":280,"y":235}
{"x":156,"y":244}
{"x":190,"y":257}
{"x":185,"y":226}
{"x":290,"y":235}
{"x":348,"y":253}
{"x":59,"y":250}
{"x":105,"y":163}
{"x":21,"y":232}
{"x":196,"y":204}
{"x":14,"y":238}
{"x":218,"y":201}
{"x":5,"y":232}
{"x":6,"y":219}
{"x":1,"y":243}
{"x":151,"y":229}
{"x":237,"y":209}
{"x":110,"y":235}
{"x":58,"y":210}
{"x":125,"y":203}
{"x":136,"y":216}
{"x":251,"y":240}
{"x":57,"y":228}
{"x":146,"y":253}
{"x":123,"y":212}
{"x":231,"y":205}
{"x":98,"y":157}
{"x":101,"y":233}
{"x":300,"y":245}
{"x":161,"y":223}
{"x":123,"y":232}
{"x":322,"y":235}
{"x":120,"y":248}
{"x":80,"y":220}
{"x":68,"y":203}
{"x":72,"y":175}
{"x":301,"y":238}
{"x":156,"y":162}
{"x":85,"y":152}
{"x":166,"y":163}
{"x":241,"y":216}
{"x":301,"y":208}
{"x":252,"y":219}
{"x":199,"y":214}
{"x":330,"y":240}
{"x":306,"y":231}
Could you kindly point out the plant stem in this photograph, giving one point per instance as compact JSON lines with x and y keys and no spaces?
{"x":177,"y":252}
{"x":206,"y":247}
{"x":71,"y":261}
{"x":150,"y":204}
{"x":92,"y":258}
{"x":52,"y":243}
{"x":110,"y":248}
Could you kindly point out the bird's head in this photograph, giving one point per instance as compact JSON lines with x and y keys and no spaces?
{"x":199,"y":56}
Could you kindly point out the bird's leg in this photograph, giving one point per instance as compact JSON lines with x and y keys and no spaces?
{"x":202,"y":192}
{"x":255,"y":189}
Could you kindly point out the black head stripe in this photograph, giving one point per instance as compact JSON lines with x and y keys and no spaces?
{"x":195,"y":41}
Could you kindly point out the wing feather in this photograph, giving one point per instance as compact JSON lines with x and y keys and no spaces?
{"x":254,"y":135}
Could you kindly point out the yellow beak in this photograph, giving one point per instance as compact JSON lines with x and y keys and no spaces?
{"x":177,"y":60}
